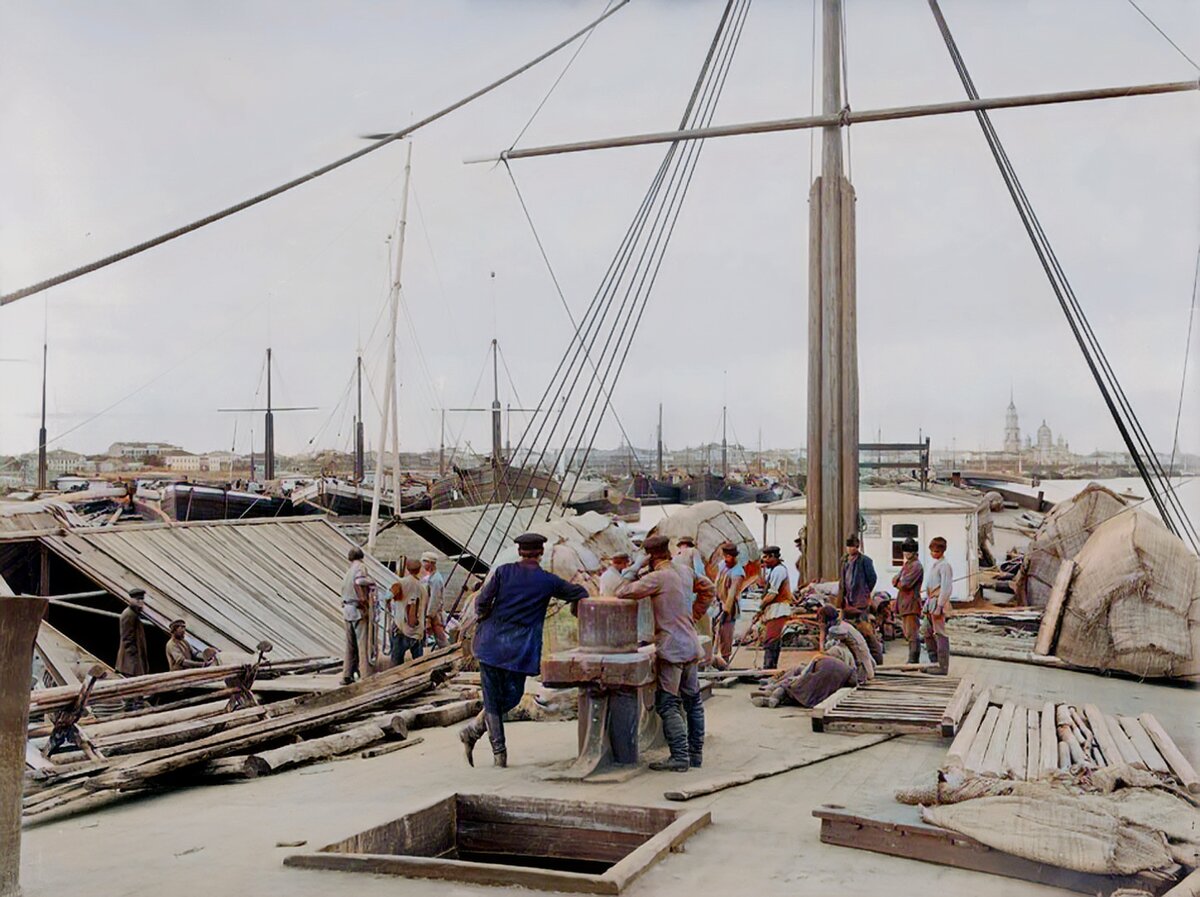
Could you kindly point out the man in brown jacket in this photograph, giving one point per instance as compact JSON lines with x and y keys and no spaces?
{"x":908,"y":598}
{"x":132,"y":657}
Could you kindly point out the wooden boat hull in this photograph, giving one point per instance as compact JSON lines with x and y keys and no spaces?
{"x":183,"y":501}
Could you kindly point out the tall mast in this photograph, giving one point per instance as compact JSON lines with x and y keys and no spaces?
{"x":724,"y":444}
{"x":41,"y":471}
{"x":442,"y":448}
{"x":660,"y":463}
{"x":832,"y":483}
{"x":359,"y":437}
{"x":390,"y":407}
{"x":497,"y":458}
{"x":269,"y":432}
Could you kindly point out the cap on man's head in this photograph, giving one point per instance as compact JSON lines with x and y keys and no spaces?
{"x":829,"y":614}
{"x":175,"y":623}
{"x":771,"y":551}
{"x":909,"y":545}
{"x":137,"y":593}
{"x":728,"y":548}
{"x":430,"y":557}
{"x":617,"y":555}
{"x":686,"y":540}
{"x":656,"y":544}
{"x":530,"y":541}
{"x":852,"y":541}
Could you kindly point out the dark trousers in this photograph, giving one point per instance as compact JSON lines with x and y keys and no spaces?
{"x":682,"y":714}
{"x":502,"y":691}
{"x":402,"y":644}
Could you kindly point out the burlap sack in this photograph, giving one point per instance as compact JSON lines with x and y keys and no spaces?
{"x":711,"y":523}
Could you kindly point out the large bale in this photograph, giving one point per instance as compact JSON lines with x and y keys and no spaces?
{"x":1062,"y":535}
{"x":1132,"y":603}
{"x":711,"y":524}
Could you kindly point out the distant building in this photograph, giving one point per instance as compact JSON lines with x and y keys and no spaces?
{"x":1012,"y":428}
{"x":141,"y":449}
{"x":182,"y":462}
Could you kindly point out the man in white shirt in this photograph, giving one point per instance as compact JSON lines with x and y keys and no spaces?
{"x":357,"y":587}
{"x":939,"y":589}
{"x":616,"y":574}
{"x":409,"y":607}
{"x":775,"y":609}
{"x":436,"y":584}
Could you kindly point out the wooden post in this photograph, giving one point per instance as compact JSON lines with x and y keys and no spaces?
{"x":832,"y":487}
{"x":19,"y":621}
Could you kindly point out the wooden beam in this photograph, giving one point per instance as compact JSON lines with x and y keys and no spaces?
{"x":1183,"y":770}
{"x":844,"y":119}
{"x":1048,"y":630}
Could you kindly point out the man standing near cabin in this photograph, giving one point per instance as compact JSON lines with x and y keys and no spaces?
{"x":132,"y":657}
{"x":730,"y":578}
{"x":181,"y":655}
{"x":355,"y":597}
{"x":856,"y":582}
{"x":677,"y":605}
{"x":511,"y":611}
{"x":937,"y":603}
{"x":409,"y":607}
{"x":436,"y":584}
{"x":776,"y":607}
{"x":908,"y":597}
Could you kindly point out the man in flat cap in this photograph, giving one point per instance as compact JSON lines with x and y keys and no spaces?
{"x":908,"y":597}
{"x":731,"y":576}
{"x":677,"y":605}
{"x":511,"y":610}
{"x":616,"y":574}
{"x":181,"y":655}
{"x":132,"y":657}
{"x":436,"y":584}
{"x":856,"y":583}
{"x":775,"y":609}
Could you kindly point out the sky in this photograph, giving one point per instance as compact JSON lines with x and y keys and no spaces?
{"x":124,"y":119}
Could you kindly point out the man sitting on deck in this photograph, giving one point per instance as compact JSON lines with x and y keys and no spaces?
{"x":511,"y":610}
{"x":836,"y":630}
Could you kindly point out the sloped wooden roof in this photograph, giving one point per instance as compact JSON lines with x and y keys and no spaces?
{"x":234,"y":582}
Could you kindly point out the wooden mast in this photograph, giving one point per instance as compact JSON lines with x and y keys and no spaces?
{"x":390,"y":408}
{"x":832,"y":486}
{"x":359,"y":436}
{"x":41,"y":470}
{"x":269,"y":432}
{"x":660,"y":452}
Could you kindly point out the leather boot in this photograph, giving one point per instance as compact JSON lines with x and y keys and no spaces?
{"x":674,"y":731}
{"x":914,"y":650}
{"x":495,"y":730}
{"x":470,"y":734}
{"x":943,"y":658}
{"x":931,"y":647}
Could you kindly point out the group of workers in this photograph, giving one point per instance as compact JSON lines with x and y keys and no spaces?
{"x":133,"y":657}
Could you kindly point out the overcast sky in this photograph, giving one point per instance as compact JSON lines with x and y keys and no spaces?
{"x":119,"y":120}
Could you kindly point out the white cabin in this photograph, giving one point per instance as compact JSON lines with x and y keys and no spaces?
{"x":891,"y":516}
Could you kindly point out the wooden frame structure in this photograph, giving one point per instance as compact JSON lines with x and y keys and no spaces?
{"x":432,"y":841}
{"x":899,"y":704}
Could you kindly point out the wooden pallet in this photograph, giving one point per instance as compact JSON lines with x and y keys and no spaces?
{"x":898,"y":830}
{"x":898,"y":703}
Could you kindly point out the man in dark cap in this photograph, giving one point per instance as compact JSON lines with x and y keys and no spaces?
{"x":775,"y":609}
{"x":181,"y":655}
{"x":511,"y":610}
{"x":908,"y":597}
{"x":677,"y":605}
{"x":132,"y":657}
{"x":856,"y":582}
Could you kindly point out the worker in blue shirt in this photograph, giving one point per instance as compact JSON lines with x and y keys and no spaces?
{"x":511,"y":610}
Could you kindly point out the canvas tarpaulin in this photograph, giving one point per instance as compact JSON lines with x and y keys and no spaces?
{"x":1132,"y":603}
{"x":1062,"y":535}
{"x":712,"y":523}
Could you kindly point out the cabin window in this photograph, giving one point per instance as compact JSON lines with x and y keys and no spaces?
{"x":901,"y":532}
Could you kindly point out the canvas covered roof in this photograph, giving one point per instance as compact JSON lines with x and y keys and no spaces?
{"x":234,"y":582}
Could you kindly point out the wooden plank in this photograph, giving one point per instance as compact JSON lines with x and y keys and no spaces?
{"x":391,"y":748}
{"x":1015,"y":749}
{"x":961,"y":745}
{"x":917,"y":840}
{"x":1108,"y":746}
{"x":1142,"y":743}
{"x":657,"y":847}
{"x":1052,"y":615}
{"x":818,"y":712}
{"x":546,"y":841}
{"x":957,"y":707}
{"x":1125,"y":747}
{"x":974,"y":758}
{"x":825,"y":753}
{"x":1033,"y":743}
{"x":1183,"y":770}
{"x":993,"y":759}
{"x":1048,"y":755}
{"x":601,"y":817}
{"x":872,"y":726}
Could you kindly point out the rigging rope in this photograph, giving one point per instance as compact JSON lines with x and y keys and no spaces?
{"x":1162,"y":491}
{"x":1187,"y":351}
{"x":379,"y":141}
{"x":1166,"y":37}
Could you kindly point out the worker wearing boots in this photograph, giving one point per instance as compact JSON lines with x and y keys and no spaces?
{"x":775,"y":608}
{"x":908,"y":597}
{"x":511,"y":610}
{"x":677,"y":605}
{"x":939,"y":592}
{"x":856,"y":583}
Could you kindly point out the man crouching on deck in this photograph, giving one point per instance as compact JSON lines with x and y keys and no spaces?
{"x":677,"y":605}
{"x":511,"y":610}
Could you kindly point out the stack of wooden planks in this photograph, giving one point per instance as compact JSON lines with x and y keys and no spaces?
{"x":1012,"y":740}
{"x":898,"y":703}
{"x":144,"y":751}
